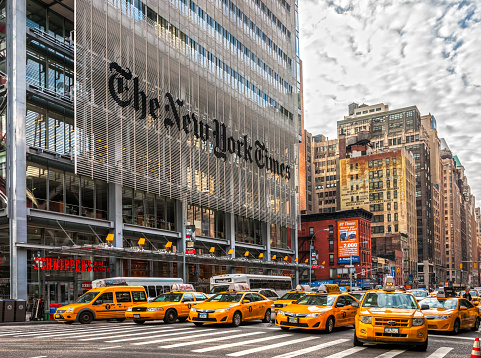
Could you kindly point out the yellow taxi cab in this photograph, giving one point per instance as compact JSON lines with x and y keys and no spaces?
{"x":102,"y":303}
{"x":232,"y":307}
{"x":391,"y":317}
{"x":450,"y":313}
{"x":323,"y":310}
{"x":169,"y":306}
{"x":289,"y":297}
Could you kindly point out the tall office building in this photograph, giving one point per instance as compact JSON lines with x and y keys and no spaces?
{"x":137,"y":118}
{"x":325,"y":154}
{"x":392,"y":129}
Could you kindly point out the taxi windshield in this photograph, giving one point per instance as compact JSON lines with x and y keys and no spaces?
{"x":314,"y":300}
{"x":389,"y":300}
{"x":439,"y":303}
{"x":217,"y":289}
{"x":474,"y":293}
{"x":226,"y":297}
{"x":168,"y":297}
{"x":292,"y":296}
{"x":419,"y":293}
{"x":87,"y":297}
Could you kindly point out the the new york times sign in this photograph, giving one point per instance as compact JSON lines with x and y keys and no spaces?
{"x":124,"y":89}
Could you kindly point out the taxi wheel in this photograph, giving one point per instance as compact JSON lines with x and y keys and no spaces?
{"x":237,"y":319}
{"x":357,"y":342}
{"x":139,"y":321}
{"x":198,"y":323}
{"x":456,"y":326}
{"x":476,"y":325}
{"x":86,"y":318}
{"x":267,"y":317}
{"x":330,"y":325}
{"x":170,"y":316}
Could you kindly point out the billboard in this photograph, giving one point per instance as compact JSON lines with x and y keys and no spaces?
{"x":348,"y":241}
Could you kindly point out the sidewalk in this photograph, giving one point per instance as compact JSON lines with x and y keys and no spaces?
{"x":28,"y":322}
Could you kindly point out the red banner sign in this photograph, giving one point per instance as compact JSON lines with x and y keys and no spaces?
{"x":53,"y":264}
{"x":190,"y":252}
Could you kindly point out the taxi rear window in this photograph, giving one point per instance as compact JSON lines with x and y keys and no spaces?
{"x":139,"y":296}
{"x":313,"y":300}
{"x":292,"y":296}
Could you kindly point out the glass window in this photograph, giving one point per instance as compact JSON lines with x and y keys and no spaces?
{"x":200,"y":296}
{"x":36,"y":126}
{"x":72,"y":191}
{"x":56,"y":186}
{"x":127,"y":205}
{"x":170,"y":214}
{"x":37,"y":186}
{"x":36,"y":15}
{"x":138,"y":208}
{"x":149,"y":215}
{"x":123,"y":297}
{"x":151,"y":291}
{"x":160,"y":213}
{"x":106,"y":297}
{"x":188,"y":297}
{"x":139,"y":296}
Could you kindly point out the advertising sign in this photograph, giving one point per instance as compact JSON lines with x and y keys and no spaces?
{"x":348,"y":241}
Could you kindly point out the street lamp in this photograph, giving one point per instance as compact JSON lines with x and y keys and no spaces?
{"x":310,"y":254}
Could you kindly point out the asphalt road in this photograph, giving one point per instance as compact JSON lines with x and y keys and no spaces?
{"x":253,"y":339}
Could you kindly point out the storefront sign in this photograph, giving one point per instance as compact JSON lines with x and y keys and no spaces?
{"x":86,"y":285}
{"x":53,"y":264}
{"x":190,"y":251}
{"x":348,"y":244}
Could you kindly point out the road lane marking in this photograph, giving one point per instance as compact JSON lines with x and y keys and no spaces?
{"x":441,"y":352}
{"x":271,"y":346}
{"x":186,"y":330}
{"x":129,"y":334}
{"x":187,"y":337}
{"x":37,"y":333}
{"x":209,"y":340}
{"x":228,"y":345}
{"x":110,"y":347}
{"x":40,"y":357}
{"x":347,"y":352}
{"x":85,"y":333}
{"x":391,"y":354}
{"x":311,"y":349}
{"x":452,"y":337}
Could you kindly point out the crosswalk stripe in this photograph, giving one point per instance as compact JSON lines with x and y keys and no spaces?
{"x":110,"y":347}
{"x":391,"y":354}
{"x":346,"y":353}
{"x":101,"y":335}
{"x":209,"y":340}
{"x":311,"y":349}
{"x":157,"y":336}
{"x":187,"y":337}
{"x":38,"y":333}
{"x":229,"y":345}
{"x":271,"y":346}
{"x":441,"y":352}
{"x":89,"y":332}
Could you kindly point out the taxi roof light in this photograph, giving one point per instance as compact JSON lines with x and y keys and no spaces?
{"x":239,"y":287}
{"x":178,"y":287}
{"x":389,"y":284}
{"x":329,"y":289}
{"x":303,"y":288}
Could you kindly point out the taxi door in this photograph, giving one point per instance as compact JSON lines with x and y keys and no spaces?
{"x":124,"y":301}
{"x":472,"y":313}
{"x":464,"y":314}
{"x":248,"y":308}
{"x":186,"y":305}
{"x":340,"y":311}
{"x":104,"y":305}
{"x":350,"y":310}
{"x":260,"y":306}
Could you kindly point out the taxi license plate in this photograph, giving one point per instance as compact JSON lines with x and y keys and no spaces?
{"x":202,"y":315}
{"x":391,"y":330}
{"x":136,"y":316}
{"x":292,"y":320}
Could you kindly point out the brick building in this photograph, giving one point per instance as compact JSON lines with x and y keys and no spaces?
{"x":326,"y":234}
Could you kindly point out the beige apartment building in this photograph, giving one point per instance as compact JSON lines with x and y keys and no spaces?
{"x":383,"y":183}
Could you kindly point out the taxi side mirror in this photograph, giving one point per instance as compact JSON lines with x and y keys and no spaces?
{"x":476,"y":303}
{"x":355,"y":304}
{"x":424,"y":307}
{"x":463,"y":308}
{"x":246,"y":301}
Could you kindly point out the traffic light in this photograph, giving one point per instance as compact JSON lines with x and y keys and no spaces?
{"x":461,"y":266}
{"x":475,"y":265}
{"x":398,"y":270}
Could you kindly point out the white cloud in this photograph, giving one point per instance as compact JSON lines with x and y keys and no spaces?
{"x":401,"y":53}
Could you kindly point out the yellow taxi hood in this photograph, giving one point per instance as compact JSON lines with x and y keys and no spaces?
{"x":391,"y":312}
{"x":306,"y":308}
{"x":73,"y":305}
{"x":284,"y":301}
{"x":434,"y":311}
{"x":215,"y":305}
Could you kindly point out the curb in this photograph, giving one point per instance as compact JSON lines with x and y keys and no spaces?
{"x":2,"y":324}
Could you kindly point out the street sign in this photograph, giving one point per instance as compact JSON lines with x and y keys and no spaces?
{"x":314,"y":267}
{"x":363,"y":272}
{"x":190,"y":251}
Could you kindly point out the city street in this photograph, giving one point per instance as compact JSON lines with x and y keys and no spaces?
{"x":186,"y":340}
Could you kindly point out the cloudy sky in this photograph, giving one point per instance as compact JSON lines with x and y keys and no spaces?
{"x":401,"y":53}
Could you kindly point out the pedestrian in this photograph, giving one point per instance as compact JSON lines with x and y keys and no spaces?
{"x":467,"y":295}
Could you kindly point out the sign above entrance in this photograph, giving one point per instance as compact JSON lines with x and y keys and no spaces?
{"x":53,"y":264}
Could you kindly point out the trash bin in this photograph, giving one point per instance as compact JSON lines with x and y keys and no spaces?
{"x":20,"y":310}
{"x":8,"y":310}
{"x":1,"y":310}
{"x":53,"y":308}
